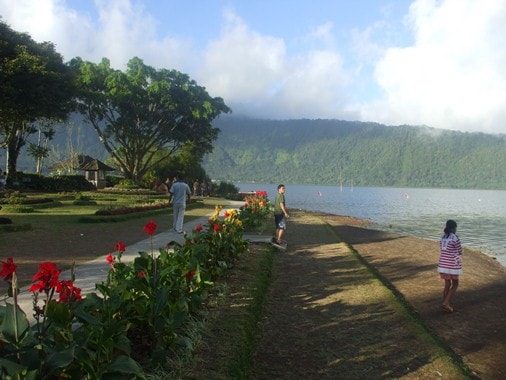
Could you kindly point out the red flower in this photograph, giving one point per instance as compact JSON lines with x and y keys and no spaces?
{"x":198,"y":228}
{"x":8,"y":269}
{"x":150,"y":228}
{"x":68,"y":292}
{"x":141,"y":274}
{"x":46,"y":278}
{"x":190,"y":274}
{"x":110,"y":259}
{"x":216,"y":227}
{"x":226,"y":214}
{"x":120,"y":247}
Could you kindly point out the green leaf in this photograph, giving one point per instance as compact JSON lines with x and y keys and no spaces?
{"x":124,"y":364}
{"x":15,"y":325}
{"x":58,"y":313}
{"x":12,"y":368}
{"x":61,"y":358}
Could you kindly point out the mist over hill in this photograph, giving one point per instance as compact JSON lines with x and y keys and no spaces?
{"x":363,"y":154}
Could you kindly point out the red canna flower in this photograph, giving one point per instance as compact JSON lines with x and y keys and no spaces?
{"x":216,"y":227}
{"x":68,"y":292}
{"x":150,"y":228}
{"x":198,"y":228}
{"x":120,"y":247}
{"x":46,"y":278}
{"x":8,"y":269}
{"x":110,"y":259}
{"x":190,"y":274}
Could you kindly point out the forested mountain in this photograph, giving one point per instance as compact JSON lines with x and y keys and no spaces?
{"x":362,"y":154}
{"x":74,"y":136}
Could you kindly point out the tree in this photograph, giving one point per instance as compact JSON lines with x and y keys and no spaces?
{"x":186,"y":162}
{"x":142,"y":112}
{"x":39,"y":151}
{"x":36,"y":84}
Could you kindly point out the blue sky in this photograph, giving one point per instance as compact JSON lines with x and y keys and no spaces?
{"x":440,"y":63}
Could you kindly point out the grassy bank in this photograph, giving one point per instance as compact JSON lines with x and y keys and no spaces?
{"x":366,"y":331}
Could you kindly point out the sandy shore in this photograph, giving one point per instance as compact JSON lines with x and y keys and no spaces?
{"x":477,"y":331}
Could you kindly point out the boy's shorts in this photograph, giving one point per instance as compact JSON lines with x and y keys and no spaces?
{"x":280,"y":221}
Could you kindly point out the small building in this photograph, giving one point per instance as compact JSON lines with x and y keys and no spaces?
{"x":95,"y":171}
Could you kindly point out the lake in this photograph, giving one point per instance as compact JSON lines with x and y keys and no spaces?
{"x":480,"y":214}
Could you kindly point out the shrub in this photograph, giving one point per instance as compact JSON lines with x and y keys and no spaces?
{"x":226,"y":190}
{"x":255,"y":210}
{"x":120,"y":210}
{"x":19,"y":209}
{"x":5,"y":220}
{"x":137,"y":313}
{"x":15,"y":198}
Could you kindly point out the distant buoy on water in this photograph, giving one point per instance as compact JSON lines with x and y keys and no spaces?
{"x":405,"y":196}
{"x":319,"y":194}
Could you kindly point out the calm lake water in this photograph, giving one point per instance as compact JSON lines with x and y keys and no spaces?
{"x":480,"y":214}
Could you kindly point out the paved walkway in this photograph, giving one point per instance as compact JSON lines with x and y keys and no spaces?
{"x":95,"y":271}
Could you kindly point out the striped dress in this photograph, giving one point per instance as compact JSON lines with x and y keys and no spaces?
{"x":450,"y":255}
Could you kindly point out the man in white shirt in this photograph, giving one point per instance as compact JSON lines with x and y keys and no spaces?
{"x":178,"y":194}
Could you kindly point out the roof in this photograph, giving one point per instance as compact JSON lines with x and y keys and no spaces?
{"x":95,"y":165}
{"x":84,"y":162}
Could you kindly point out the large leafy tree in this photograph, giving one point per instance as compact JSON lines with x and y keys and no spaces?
{"x":35,"y":85}
{"x":144,"y":115}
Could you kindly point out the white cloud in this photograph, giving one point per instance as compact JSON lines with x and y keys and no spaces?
{"x":50,"y":20}
{"x":121,"y":31}
{"x":454,"y":75}
{"x":254,"y":73}
{"x":242,"y":65}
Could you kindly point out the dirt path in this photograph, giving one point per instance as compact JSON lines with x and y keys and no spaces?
{"x":327,"y":317}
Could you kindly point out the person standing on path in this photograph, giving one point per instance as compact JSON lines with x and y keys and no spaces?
{"x":280,"y":214}
{"x":450,"y":263}
{"x":179,"y":192}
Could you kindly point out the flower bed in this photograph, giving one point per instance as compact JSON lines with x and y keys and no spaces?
{"x":129,"y":210}
{"x":137,"y":313}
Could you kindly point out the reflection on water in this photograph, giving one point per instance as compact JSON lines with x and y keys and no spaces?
{"x":480,"y":214}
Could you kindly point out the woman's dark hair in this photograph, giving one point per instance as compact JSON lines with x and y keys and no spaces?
{"x":451,"y":225}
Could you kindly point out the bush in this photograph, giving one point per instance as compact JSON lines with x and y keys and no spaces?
{"x":255,"y":210}
{"x":226,"y":190}
{"x":5,"y":220}
{"x":52,"y":184}
{"x":118,"y":210}
{"x":19,"y":209}
{"x":138,"y":313}
{"x":15,"y":198}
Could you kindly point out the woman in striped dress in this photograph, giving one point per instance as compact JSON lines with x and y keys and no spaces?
{"x":450,"y":263}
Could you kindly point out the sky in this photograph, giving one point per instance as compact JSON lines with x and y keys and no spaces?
{"x":439,"y":63}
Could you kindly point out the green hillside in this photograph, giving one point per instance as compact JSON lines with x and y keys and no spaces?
{"x":362,"y":154}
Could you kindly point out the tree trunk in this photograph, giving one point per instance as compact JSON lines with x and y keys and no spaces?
{"x":15,"y":142}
